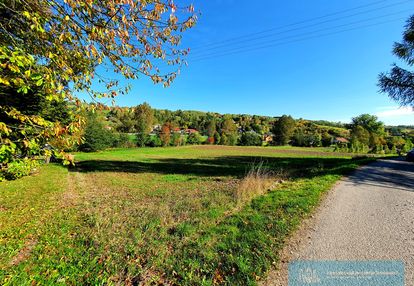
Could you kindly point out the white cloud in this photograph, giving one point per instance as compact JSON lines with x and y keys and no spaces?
{"x":395,"y":111}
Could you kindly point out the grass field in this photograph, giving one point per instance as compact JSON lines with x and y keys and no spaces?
{"x":159,"y":216}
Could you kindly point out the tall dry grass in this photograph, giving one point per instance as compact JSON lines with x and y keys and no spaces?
{"x":258,"y":180}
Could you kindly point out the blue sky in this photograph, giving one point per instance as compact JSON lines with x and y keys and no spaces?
{"x":331,"y":77}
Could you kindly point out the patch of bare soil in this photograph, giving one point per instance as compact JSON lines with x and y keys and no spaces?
{"x":24,"y":253}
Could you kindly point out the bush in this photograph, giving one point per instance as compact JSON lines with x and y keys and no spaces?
{"x":177,"y":139}
{"x":326,"y":139}
{"x":18,"y":169}
{"x":229,"y":139}
{"x":142,"y":138}
{"x":210,"y":140}
{"x":357,"y":147}
{"x":223,"y":139}
{"x":194,"y":139}
{"x":122,"y":140}
{"x":217,"y":137}
{"x":96,"y":136}
{"x":386,"y":149}
{"x":250,"y":139}
{"x":307,"y":139}
{"x":407,"y":146}
{"x":154,"y":141}
{"x":377,"y":149}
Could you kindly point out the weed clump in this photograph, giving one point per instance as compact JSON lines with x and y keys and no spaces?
{"x":258,"y":180}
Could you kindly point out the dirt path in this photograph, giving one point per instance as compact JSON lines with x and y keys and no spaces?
{"x":367,"y":216}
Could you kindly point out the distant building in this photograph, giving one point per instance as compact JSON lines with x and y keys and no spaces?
{"x":190,"y":131}
{"x":268,"y":138}
{"x":340,"y":141}
{"x":156,"y":128}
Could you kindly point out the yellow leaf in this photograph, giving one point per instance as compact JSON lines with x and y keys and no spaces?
{"x":26,"y":14}
{"x":4,"y":81}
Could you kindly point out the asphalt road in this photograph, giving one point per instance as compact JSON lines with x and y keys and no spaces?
{"x":367,"y":216}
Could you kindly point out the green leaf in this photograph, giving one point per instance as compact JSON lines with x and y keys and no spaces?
{"x":39,"y":82}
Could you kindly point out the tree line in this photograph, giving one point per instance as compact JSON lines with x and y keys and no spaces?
{"x":144,"y":126}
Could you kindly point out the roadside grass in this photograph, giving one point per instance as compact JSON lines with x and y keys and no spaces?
{"x":256,"y":182}
{"x":164,"y":215}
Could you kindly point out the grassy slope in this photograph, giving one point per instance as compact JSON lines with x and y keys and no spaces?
{"x":164,"y":214}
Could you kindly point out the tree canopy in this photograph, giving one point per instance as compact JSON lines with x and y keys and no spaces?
{"x":369,"y":123}
{"x":50,"y":49}
{"x":283,"y":129}
{"x":399,"y":82}
{"x":368,"y":131}
{"x":71,"y":38}
{"x":144,"y":118}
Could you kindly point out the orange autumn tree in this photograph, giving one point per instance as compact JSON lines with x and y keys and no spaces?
{"x":50,"y":49}
{"x":165,"y":134}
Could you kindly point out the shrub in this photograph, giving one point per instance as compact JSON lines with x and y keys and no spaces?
{"x":210,"y":140}
{"x":18,"y":169}
{"x":217,"y":137}
{"x":377,"y":149}
{"x":223,"y":139}
{"x":96,"y":136}
{"x":386,"y":149}
{"x":250,"y":139}
{"x":326,"y":139}
{"x":154,"y":141}
{"x":407,"y":146}
{"x":232,"y":139}
{"x":122,"y":140}
{"x":176,"y":139}
{"x":306,"y":139}
{"x":141,"y":139}
{"x":194,"y":139}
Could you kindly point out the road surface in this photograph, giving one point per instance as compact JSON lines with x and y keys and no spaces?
{"x":367,"y":216}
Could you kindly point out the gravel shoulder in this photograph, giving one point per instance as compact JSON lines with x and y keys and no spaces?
{"x":367,"y":216}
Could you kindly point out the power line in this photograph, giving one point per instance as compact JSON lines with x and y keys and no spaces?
{"x":207,"y":57}
{"x":272,"y":40}
{"x":253,"y":36}
{"x":295,"y":23}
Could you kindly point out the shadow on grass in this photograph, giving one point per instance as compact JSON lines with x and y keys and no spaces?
{"x":236,"y":166}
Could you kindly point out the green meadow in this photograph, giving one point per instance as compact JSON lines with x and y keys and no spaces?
{"x":195,"y":215}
